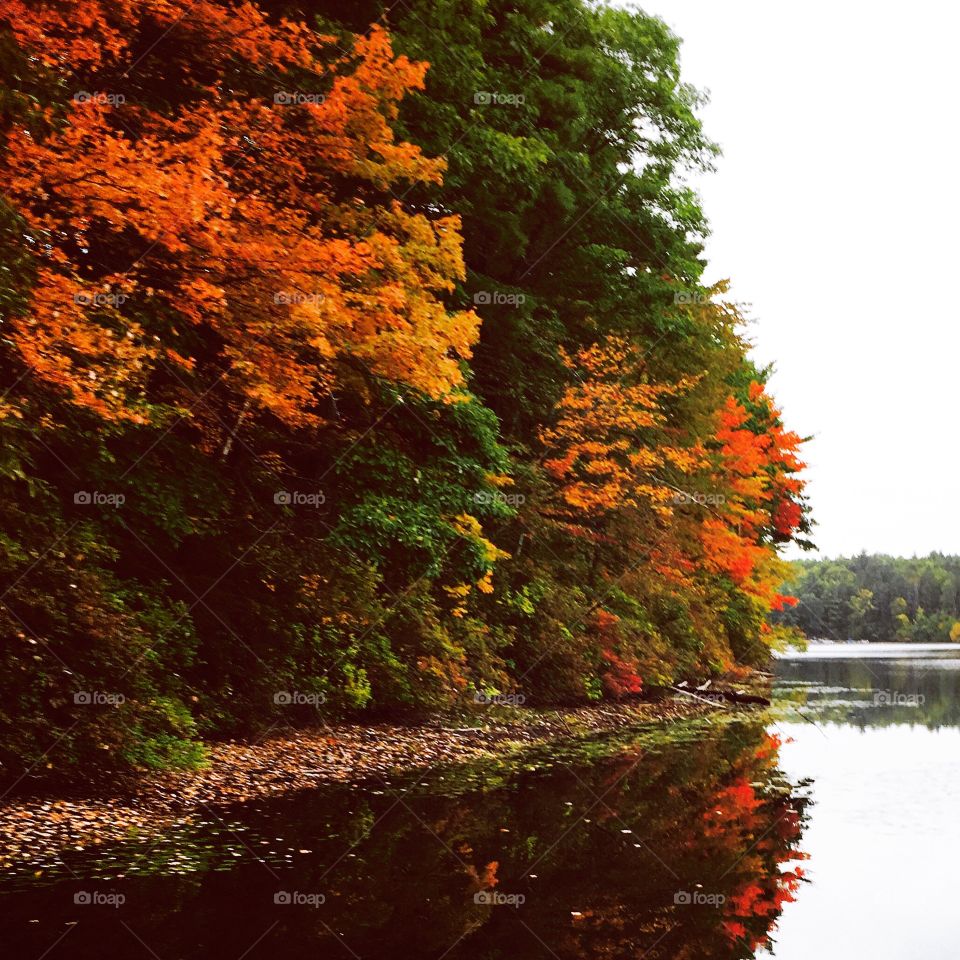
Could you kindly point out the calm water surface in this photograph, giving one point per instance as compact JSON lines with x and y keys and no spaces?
{"x":877,"y":729}
{"x":628,"y":846}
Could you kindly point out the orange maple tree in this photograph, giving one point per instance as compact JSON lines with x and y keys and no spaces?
{"x":756,"y":462}
{"x":609,"y":444}
{"x":624,"y":466}
{"x":214,"y":203}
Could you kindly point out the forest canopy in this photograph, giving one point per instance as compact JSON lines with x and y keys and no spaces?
{"x":361,"y":361}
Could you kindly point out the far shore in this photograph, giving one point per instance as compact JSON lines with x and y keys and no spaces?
{"x":862,"y":648}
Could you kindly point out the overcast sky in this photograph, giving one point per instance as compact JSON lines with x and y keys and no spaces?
{"x":834,"y":210}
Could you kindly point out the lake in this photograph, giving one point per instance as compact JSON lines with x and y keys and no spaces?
{"x":883,"y":832}
{"x":824,"y":828}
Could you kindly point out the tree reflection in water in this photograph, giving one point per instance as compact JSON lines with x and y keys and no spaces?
{"x":626,"y":849}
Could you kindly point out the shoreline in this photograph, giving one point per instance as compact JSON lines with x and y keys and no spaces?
{"x":37,"y":829}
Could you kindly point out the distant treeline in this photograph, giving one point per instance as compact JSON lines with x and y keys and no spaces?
{"x":877,"y":598}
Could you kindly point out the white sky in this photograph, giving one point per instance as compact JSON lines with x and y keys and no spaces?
{"x":834,"y":210}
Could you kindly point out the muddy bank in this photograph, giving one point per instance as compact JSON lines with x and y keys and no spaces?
{"x":36,"y":830}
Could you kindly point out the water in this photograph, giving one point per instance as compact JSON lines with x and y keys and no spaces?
{"x":884,"y":831}
{"x":639,"y":845}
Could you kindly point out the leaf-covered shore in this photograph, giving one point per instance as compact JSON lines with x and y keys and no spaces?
{"x":36,"y":832}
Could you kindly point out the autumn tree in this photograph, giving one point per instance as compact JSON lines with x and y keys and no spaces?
{"x":210,"y":242}
{"x":214,"y":296}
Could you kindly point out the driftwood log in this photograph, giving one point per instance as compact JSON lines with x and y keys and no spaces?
{"x":730,"y":696}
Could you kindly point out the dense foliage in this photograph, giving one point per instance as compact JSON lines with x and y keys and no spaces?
{"x":361,"y":364}
{"x":877,"y":598}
